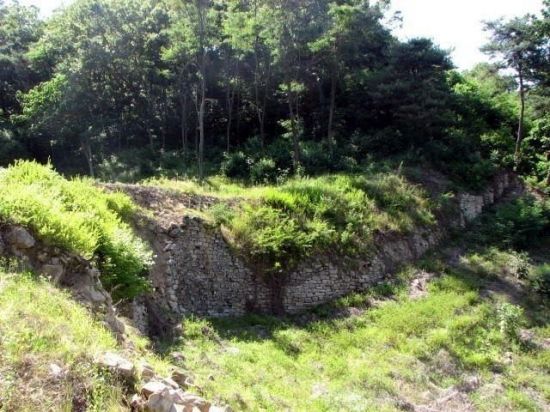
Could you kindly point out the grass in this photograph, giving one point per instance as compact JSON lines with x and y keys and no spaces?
{"x":77,"y":216}
{"x":399,"y":350}
{"x":40,"y":326}
{"x":277,"y":226}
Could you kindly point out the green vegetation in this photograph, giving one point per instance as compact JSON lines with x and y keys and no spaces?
{"x":275,"y":226}
{"x":41,"y":326}
{"x":263,"y":90}
{"x":337,"y":213}
{"x":383,"y":349}
{"x":76,"y":215}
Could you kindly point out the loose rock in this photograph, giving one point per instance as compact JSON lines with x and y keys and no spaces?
{"x":117,"y":364}
{"x":20,"y":238}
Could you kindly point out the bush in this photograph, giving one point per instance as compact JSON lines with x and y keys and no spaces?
{"x":338,"y":213}
{"x":510,"y":318}
{"x":539,"y":279}
{"x":222,"y":213}
{"x":263,"y":171}
{"x":519,"y":223}
{"x":78,"y":216}
{"x":236,"y":165}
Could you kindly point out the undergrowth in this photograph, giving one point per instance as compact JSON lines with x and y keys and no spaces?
{"x":399,"y":349}
{"x":382,"y":349}
{"x":78,"y":216}
{"x":277,"y":226}
{"x":41,"y":326}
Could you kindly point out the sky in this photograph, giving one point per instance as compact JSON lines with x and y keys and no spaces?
{"x":453,"y":24}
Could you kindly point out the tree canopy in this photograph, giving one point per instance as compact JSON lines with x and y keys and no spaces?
{"x":128,"y":89}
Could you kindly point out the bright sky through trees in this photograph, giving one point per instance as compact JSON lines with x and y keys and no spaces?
{"x":457,"y":24}
{"x":452,"y":24}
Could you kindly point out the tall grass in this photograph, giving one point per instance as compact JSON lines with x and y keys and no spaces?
{"x":78,"y":216}
{"x":341,"y":213}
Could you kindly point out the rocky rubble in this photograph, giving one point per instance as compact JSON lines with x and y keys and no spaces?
{"x":157,"y":394}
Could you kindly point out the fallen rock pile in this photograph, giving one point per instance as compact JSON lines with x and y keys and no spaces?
{"x":157,"y":394}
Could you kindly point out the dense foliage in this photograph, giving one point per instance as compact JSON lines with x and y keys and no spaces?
{"x":137,"y":88}
{"x":334,"y":214}
{"x":80,"y":217}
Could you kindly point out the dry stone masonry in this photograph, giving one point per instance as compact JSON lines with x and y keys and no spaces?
{"x":197,"y":272}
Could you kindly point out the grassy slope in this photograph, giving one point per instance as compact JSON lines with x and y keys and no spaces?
{"x":40,"y":326}
{"x":79,"y":217}
{"x":401,"y":350}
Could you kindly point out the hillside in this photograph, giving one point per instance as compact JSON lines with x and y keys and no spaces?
{"x":464,"y":328}
{"x":273,"y":205}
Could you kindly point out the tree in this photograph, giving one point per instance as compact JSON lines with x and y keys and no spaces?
{"x":106,"y":86}
{"x":515,"y":45}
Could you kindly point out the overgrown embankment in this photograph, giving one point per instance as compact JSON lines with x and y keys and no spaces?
{"x":276,"y":227}
{"x":77,"y":216}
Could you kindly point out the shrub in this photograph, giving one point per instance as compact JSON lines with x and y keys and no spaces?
{"x":337,"y":213}
{"x":222,"y":213}
{"x":78,"y":216}
{"x":518,"y":223}
{"x":510,"y":318}
{"x":263,"y":171}
{"x":236,"y":165}
{"x":539,"y":279}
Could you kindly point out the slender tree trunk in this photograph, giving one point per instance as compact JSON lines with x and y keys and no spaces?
{"x":201,"y":130}
{"x":294,"y":131}
{"x":87,"y":151}
{"x":517,"y":152}
{"x":230,"y":98}
{"x":183,"y":124}
{"x":330,"y":131}
{"x":202,"y":27}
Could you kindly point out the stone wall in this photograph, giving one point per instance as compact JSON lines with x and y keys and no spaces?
{"x":197,"y":272}
{"x":322,"y":279}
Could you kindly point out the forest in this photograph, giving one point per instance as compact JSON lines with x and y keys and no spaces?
{"x":260,"y":90}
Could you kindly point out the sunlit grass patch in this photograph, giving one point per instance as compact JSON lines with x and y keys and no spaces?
{"x":78,"y":216}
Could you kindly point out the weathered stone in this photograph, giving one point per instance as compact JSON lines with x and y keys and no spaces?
{"x":53,"y":272}
{"x":177,"y":356}
{"x":146,"y":371}
{"x":188,"y":399}
{"x":180,"y":377}
{"x":56,"y":371}
{"x":215,"y":408}
{"x":171,"y":383}
{"x":137,"y":403}
{"x":116,"y":364}
{"x":162,"y":402}
{"x":20,"y":238}
{"x":200,"y":273}
{"x":153,"y":387}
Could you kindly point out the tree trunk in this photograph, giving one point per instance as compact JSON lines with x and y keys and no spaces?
{"x":519,"y":138}
{"x":202,"y":35}
{"x":87,"y":151}
{"x":330,"y":132}
{"x":230,"y":97}
{"x":201,"y":132}
{"x":183,"y":125}
{"x":295,"y":139}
